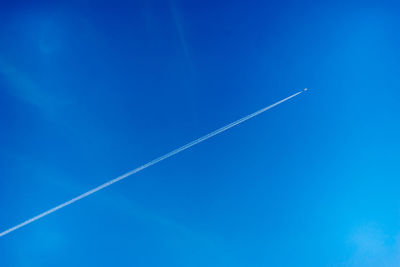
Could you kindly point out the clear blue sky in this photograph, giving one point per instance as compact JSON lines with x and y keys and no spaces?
{"x":91,"y":89}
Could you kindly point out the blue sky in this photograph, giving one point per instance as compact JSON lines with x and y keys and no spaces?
{"x":90,"y":90}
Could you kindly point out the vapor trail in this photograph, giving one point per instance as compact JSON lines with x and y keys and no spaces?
{"x":155,"y":161}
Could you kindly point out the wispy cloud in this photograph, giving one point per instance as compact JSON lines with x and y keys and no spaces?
{"x":373,"y":247}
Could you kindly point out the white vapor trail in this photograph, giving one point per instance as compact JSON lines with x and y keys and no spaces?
{"x":155,"y":161}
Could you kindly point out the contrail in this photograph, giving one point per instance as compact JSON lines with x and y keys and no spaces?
{"x":155,"y":161}
{"x":181,"y":34}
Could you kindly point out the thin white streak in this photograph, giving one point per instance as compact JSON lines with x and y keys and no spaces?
{"x":180,"y":31}
{"x":155,"y":161}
